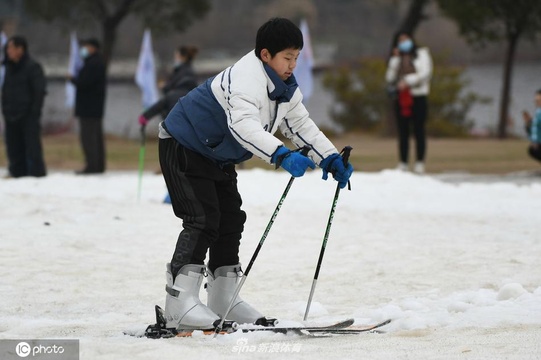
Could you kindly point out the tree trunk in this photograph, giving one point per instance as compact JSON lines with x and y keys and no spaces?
{"x":109,"y":37}
{"x":414,"y":17}
{"x":512,"y":42}
{"x":110,"y":24}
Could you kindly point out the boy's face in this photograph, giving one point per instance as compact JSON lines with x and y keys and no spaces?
{"x":283,"y":63}
{"x":538,"y":100}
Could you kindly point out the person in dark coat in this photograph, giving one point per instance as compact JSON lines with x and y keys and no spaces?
{"x":90,"y":86}
{"x":180,"y":82}
{"x":23,"y":92}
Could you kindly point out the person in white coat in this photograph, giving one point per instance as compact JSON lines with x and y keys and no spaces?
{"x":408,"y":73}
{"x":223,"y":122}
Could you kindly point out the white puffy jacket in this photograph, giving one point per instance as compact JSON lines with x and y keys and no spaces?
{"x":243,"y":92}
{"x":419,"y":82}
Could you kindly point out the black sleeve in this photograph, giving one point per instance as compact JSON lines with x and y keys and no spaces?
{"x":90,"y":76}
{"x":38,"y":87}
{"x":156,"y":108}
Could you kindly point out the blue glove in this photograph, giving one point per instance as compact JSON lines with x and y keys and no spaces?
{"x":293,"y":161}
{"x":334,"y":164}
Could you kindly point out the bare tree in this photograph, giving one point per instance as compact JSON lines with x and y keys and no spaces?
{"x":482,"y":21}
{"x":414,"y":16}
{"x":109,"y":14}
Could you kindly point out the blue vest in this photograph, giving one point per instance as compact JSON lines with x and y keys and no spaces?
{"x":199,"y":123}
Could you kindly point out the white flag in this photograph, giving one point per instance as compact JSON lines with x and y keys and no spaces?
{"x":145,"y":77}
{"x":3,"y":41}
{"x":74,"y":65}
{"x":305,"y":63}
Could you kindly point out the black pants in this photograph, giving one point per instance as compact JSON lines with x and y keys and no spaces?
{"x":93,"y":144}
{"x":24,"y":150}
{"x":418,"y":119}
{"x":535,"y":152}
{"x":206,"y":198}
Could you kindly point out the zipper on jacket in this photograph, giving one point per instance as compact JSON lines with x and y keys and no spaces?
{"x":275,"y":116}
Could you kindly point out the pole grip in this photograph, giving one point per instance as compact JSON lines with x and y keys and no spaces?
{"x":304,"y":151}
{"x":346,"y":151}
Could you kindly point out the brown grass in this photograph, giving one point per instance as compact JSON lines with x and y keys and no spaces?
{"x":478,"y":156}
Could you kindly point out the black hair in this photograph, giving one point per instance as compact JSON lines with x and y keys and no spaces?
{"x":408,"y":34}
{"x":92,"y":42}
{"x":538,"y":92}
{"x":19,"y":41}
{"x":276,"y":35}
{"x":188,"y":51}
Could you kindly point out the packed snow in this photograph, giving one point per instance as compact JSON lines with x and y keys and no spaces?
{"x":456,"y":266}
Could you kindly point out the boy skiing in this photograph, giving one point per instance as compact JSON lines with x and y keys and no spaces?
{"x":223,"y":122}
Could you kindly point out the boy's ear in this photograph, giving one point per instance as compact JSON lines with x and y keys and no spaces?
{"x":265,"y":55}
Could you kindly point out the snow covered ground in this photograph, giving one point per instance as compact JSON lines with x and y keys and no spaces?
{"x":457,"y":266}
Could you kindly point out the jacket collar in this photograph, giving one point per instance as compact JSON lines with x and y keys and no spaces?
{"x":283,"y":90}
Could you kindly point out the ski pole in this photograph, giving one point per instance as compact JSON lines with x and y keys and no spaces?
{"x":141,"y":161}
{"x":345,"y":156}
{"x":304,"y":152}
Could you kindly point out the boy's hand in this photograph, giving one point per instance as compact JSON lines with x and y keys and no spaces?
{"x":334,"y":164}
{"x":294,"y":162}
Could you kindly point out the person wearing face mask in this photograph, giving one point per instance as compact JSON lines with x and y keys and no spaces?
{"x":179,"y":83}
{"x":409,"y":71}
{"x":90,"y":85}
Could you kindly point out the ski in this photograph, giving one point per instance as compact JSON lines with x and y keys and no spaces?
{"x":229,"y":329}
{"x":345,"y":327}
{"x":160,"y":331}
{"x":341,"y":328}
{"x":350,"y":330}
{"x":289,"y":329}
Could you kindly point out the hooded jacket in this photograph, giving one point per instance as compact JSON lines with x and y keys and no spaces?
{"x":235,"y":114}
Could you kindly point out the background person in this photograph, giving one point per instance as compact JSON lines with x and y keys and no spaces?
{"x":409,"y":70}
{"x":179,"y":83}
{"x":23,"y":92}
{"x":533,"y":128}
{"x":90,"y":85}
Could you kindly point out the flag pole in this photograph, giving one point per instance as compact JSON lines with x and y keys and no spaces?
{"x":145,"y":78}
{"x":141,"y":161}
